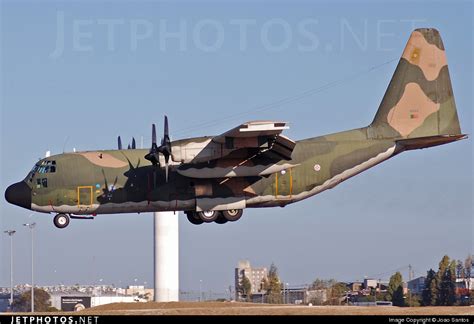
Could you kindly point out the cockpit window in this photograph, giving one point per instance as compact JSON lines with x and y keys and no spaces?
{"x":47,"y":167}
{"x":42,"y":167}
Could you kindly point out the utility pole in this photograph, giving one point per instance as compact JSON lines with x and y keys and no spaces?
{"x":200,"y":290}
{"x":410,"y":278}
{"x":10,"y":233}
{"x":31,"y":226}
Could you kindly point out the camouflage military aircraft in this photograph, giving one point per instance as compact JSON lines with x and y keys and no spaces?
{"x":212,"y":179}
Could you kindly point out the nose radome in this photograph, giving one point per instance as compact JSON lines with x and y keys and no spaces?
{"x":19,"y":194}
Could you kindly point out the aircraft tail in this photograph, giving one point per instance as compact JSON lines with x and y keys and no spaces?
{"x":419,"y":100}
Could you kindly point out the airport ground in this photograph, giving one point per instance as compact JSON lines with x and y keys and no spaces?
{"x":233,"y":308}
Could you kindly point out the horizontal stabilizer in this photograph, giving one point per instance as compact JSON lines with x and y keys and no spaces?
{"x":425,"y":142}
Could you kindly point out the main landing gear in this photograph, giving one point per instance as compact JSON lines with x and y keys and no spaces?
{"x":209,"y":216}
{"x":61,"y":220}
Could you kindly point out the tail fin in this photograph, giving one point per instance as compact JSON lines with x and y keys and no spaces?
{"x":419,"y":101}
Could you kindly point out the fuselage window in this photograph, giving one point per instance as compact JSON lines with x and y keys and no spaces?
{"x":41,"y":183}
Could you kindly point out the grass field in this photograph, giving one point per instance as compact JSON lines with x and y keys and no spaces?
{"x":228,"y":308}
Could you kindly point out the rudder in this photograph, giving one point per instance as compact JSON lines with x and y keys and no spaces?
{"x":419,"y":100}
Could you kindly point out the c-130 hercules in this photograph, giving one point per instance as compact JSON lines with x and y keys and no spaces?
{"x":212,"y":179}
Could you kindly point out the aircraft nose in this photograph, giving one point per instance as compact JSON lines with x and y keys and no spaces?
{"x":19,"y":194}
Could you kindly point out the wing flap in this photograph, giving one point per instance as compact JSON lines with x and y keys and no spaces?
{"x":233,"y":171}
{"x":254,"y":129}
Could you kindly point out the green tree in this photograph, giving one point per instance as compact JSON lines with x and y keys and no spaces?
{"x":414,"y":301}
{"x":451,"y":284}
{"x":246,"y":288}
{"x":468,"y":270}
{"x":446,"y":282}
{"x":337,"y":290}
{"x":430,"y":293}
{"x":319,"y":284}
{"x":395,"y":289}
{"x":42,"y":301}
{"x":460,"y":270}
{"x":441,"y":278}
{"x":273,"y":286}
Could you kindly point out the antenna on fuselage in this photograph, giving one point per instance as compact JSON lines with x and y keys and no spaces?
{"x":65,"y":142}
{"x":119,"y":143}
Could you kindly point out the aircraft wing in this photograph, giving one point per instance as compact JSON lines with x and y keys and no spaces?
{"x":251,"y":149}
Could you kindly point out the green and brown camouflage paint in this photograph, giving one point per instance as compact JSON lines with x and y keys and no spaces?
{"x":417,"y":111}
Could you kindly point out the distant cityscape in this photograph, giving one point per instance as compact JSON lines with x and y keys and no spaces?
{"x":366,"y":292}
{"x":363,"y":293}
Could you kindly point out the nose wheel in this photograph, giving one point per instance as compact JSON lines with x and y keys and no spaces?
{"x":61,"y":220}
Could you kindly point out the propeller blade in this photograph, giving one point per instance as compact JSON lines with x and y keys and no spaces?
{"x":105,"y":181}
{"x":134,"y":144}
{"x":166,"y":127}
{"x":153,"y":135}
{"x":128,"y":147}
{"x":119,"y":140}
{"x":165,"y":147}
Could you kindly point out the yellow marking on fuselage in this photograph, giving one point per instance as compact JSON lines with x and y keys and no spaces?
{"x":276,"y":184}
{"x":291,"y":183}
{"x":79,"y":194}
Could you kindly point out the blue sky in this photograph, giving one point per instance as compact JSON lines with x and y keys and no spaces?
{"x":94,"y":84}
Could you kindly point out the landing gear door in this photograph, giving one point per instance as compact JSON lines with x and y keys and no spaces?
{"x":228,"y":203}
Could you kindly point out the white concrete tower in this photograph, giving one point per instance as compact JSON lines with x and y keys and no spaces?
{"x":166,"y":256}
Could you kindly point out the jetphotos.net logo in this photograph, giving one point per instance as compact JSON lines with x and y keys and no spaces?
{"x":54,"y":320}
{"x":209,"y":35}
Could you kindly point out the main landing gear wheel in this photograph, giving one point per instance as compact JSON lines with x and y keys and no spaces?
{"x":221,"y":219}
{"x":232,"y":214}
{"x":193,"y":218}
{"x":208,"y":216}
{"x":61,"y":220}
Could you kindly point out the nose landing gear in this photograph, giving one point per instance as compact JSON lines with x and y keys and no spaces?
{"x":61,"y":220}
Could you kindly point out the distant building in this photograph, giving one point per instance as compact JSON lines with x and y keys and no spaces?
{"x":255,"y":275}
{"x":370,"y":283}
{"x":141,"y":291}
{"x":79,"y":301}
{"x":417,"y":285}
{"x":355,"y":286}
{"x":465,"y":283}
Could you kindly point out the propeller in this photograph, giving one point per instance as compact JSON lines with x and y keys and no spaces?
{"x":134,"y":144}
{"x":108,"y":191}
{"x":164,"y":148}
{"x":119,"y":140}
{"x":152,"y":156}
